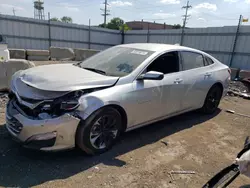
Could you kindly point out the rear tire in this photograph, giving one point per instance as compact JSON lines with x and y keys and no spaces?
{"x":212,"y":100}
{"x":100,"y":131}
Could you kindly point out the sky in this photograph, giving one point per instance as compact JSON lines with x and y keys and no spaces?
{"x":204,"y":13}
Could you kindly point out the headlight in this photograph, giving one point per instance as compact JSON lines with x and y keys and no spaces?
{"x":69,"y":105}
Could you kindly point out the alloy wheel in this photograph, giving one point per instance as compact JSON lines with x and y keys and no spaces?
{"x":213,"y":100}
{"x":103,"y":132}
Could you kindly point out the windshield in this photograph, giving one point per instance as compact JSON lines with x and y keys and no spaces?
{"x":116,"y":61}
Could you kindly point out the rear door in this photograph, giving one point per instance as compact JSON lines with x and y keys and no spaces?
{"x":198,"y":78}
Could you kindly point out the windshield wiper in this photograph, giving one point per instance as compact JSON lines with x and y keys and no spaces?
{"x":95,"y":70}
{"x":77,"y":64}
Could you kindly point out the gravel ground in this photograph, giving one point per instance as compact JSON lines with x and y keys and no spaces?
{"x":201,"y":143}
{"x":243,"y":87}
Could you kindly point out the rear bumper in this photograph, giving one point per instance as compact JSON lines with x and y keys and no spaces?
{"x":47,"y":135}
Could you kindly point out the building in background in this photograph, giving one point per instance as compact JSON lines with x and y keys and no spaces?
{"x":141,"y":25}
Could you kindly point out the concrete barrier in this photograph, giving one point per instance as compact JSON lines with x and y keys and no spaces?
{"x":8,"y":68}
{"x":17,"y":53}
{"x":244,"y":74}
{"x":234,"y":73}
{"x":3,"y":77}
{"x":37,"y":52}
{"x":82,"y":54}
{"x":38,"y":58}
{"x":57,"y":53}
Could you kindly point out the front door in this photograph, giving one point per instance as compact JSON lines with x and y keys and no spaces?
{"x":172,"y":83}
{"x":147,"y":96}
{"x":173,"y":89}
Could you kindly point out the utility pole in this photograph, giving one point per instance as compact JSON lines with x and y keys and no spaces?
{"x":14,"y":11}
{"x":235,"y":41}
{"x":186,"y":16}
{"x":105,"y":10}
{"x":49,"y":29}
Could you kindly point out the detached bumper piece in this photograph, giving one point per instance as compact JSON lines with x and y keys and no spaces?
{"x":41,"y":141}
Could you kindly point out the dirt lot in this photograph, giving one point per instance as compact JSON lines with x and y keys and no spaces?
{"x":196,"y":142}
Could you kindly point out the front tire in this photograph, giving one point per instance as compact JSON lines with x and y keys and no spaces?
{"x":212,"y":100}
{"x":100,"y":131}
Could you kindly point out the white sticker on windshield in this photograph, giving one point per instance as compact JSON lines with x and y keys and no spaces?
{"x":139,"y":52}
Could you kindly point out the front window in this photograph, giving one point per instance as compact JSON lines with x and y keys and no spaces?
{"x":116,"y":61}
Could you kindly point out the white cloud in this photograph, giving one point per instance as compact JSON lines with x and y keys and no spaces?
{"x":121,"y":3}
{"x":208,"y":6}
{"x":170,"y":2}
{"x":247,"y":1}
{"x":8,"y":7}
{"x":231,"y":1}
{"x":74,"y":9}
{"x":201,"y":19}
{"x":69,"y":7}
{"x":164,"y":15}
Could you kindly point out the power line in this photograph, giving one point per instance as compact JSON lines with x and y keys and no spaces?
{"x":106,"y":11}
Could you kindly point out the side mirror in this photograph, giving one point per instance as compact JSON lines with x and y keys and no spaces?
{"x":151,"y":75}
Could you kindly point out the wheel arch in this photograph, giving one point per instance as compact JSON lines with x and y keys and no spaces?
{"x":119,"y":108}
{"x":123,"y":114}
{"x":218,"y":83}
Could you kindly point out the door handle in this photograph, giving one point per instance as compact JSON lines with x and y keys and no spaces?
{"x":178,"y":80}
{"x":208,"y":74}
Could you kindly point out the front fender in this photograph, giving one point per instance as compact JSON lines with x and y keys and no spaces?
{"x":89,"y":104}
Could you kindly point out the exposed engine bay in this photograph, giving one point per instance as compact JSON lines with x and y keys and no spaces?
{"x":49,"y":108}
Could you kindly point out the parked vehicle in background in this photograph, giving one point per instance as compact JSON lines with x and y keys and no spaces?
{"x":90,"y":103}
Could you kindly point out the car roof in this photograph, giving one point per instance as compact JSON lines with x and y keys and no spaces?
{"x":158,"y":47}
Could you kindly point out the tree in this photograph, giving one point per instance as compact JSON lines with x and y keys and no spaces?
{"x":125,"y":27}
{"x":101,"y":25}
{"x":176,"y":26}
{"x":117,"y":24}
{"x":55,"y":19}
{"x":66,"y":19}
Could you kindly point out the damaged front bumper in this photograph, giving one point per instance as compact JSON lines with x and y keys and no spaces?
{"x":44,"y":134}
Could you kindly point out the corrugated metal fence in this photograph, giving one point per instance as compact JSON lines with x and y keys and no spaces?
{"x":217,"y":41}
{"x":30,"y":33}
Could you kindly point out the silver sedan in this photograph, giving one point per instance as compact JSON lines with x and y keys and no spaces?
{"x":90,"y":103}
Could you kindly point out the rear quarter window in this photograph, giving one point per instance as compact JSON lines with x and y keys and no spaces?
{"x":192,"y":60}
{"x":208,"y":61}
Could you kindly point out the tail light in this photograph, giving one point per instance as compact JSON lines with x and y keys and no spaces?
{"x":229,"y":71}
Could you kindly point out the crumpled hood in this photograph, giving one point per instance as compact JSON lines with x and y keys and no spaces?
{"x":64,"y":77}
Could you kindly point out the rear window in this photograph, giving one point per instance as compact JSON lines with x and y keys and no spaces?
{"x":191,"y":60}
